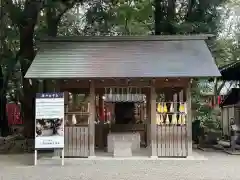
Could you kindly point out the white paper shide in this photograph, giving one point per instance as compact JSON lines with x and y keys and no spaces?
{"x":49,"y":125}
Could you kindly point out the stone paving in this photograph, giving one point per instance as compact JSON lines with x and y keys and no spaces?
{"x":219,"y":166}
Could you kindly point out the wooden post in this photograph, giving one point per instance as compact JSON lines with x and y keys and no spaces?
{"x":153,"y":122}
{"x":56,"y":87}
{"x":91,"y":120}
{"x":40,"y":86}
{"x":228,"y":124}
{"x":148,"y":111}
{"x":189,"y":120}
{"x":101,"y":124}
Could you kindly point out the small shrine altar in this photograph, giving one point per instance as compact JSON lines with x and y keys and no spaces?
{"x":125,"y":93}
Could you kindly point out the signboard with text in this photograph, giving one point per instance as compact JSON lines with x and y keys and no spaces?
{"x":49,"y":120}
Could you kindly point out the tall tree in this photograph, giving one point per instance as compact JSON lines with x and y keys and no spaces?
{"x":26,"y":19}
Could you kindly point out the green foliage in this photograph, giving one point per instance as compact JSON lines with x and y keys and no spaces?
{"x":225,"y":51}
{"x":137,"y":17}
{"x":201,"y":109}
{"x":121,"y":17}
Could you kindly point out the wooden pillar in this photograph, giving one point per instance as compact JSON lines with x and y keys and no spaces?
{"x":148,"y":111}
{"x":58,"y":152}
{"x":40,"y":86}
{"x":49,"y":85}
{"x":101,"y":106}
{"x":57,"y":86}
{"x":189,"y":120}
{"x":92,"y":110}
{"x":101,"y":118}
{"x":153,"y":122}
{"x":74,"y":100}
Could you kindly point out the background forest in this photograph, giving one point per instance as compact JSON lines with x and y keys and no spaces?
{"x":23,"y":21}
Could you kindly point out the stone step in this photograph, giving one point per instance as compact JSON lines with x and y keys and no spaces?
{"x":122,"y":149}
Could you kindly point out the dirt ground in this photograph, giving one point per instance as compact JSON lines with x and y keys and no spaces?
{"x":214,"y":166}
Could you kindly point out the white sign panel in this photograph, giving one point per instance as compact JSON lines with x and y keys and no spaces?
{"x":49,"y":125}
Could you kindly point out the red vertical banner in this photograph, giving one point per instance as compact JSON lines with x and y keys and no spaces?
{"x":219,"y":100}
{"x":13,"y":114}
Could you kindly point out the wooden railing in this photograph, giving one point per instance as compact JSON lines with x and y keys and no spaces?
{"x":76,"y":143}
{"x":171,"y":141}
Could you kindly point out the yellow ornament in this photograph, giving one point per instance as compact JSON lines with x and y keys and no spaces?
{"x":174,"y":119}
{"x":167,"y":120}
{"x":171,"y":108}
{"x":160,"y":108}
{"x":165,"y":108}
{"x":181,"y":108}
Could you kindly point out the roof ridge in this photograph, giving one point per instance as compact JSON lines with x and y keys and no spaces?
{"x":125,"y":38}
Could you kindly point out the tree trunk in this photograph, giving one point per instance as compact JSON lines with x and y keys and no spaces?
{"x":159,"y":17}
{"x":189,"y":10}
{"x":171,"y":8}
{"x":4,"y":129}
{"x":52,"y":21}
{"x":52,"y":24}
{"x":53,"y":17}
{"x":26,"y":55}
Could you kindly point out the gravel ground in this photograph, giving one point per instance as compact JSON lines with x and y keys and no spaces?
{"x":219,"y":166}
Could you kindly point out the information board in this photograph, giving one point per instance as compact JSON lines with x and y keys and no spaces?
{"x":49,"y":125}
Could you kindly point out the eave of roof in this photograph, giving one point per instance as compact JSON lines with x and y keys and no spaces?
{"x":230,"y":72}
{"x":230,"y":65}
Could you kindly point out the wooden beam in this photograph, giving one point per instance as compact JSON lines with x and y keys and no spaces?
{"x":189,"y":120}
{"x":153,"y":122}
{"x":126,"y":38}
{"x":75,"y":90}
{"x":159,"y":83}
{"x":91,"y":120}
{"x":101,"y":124}
{"x":148,"y":108}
